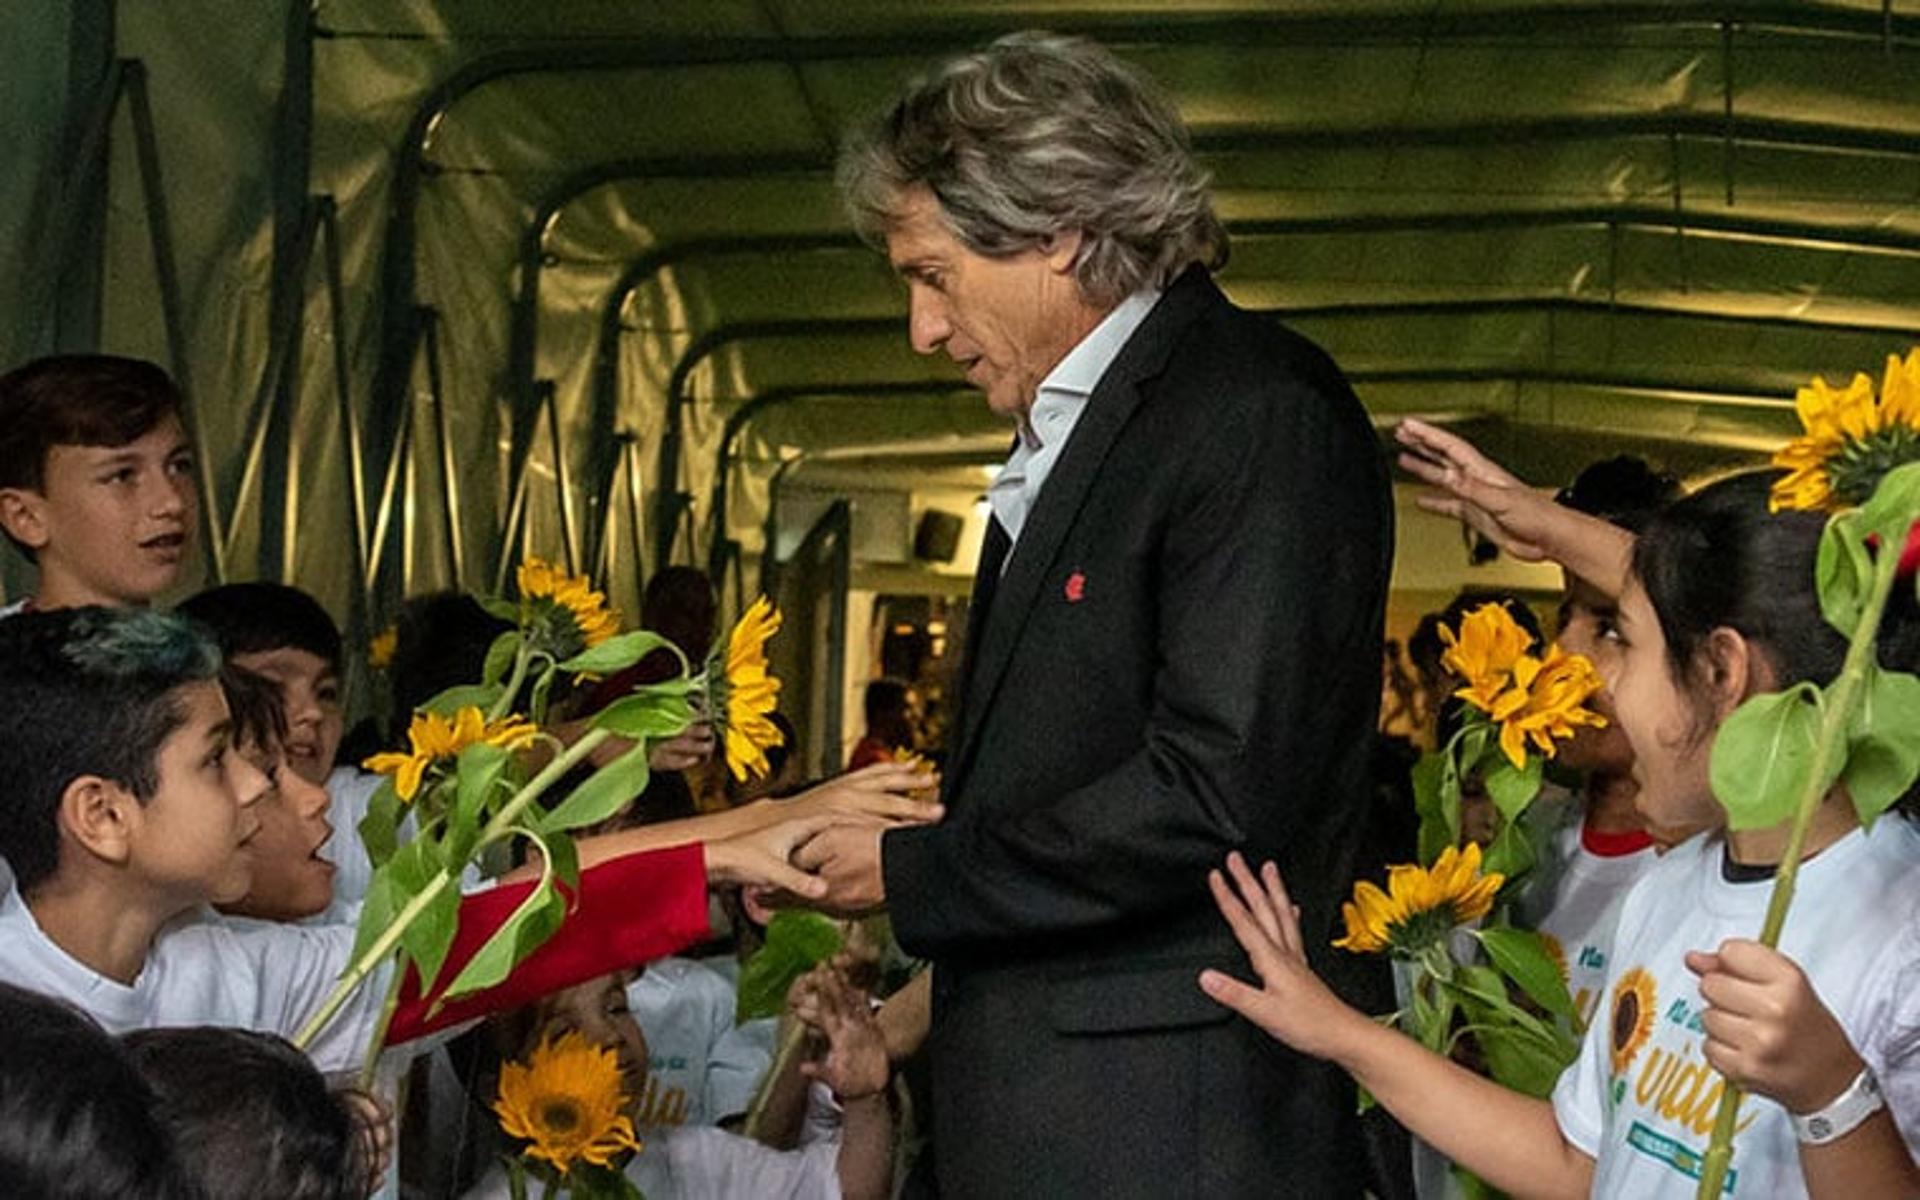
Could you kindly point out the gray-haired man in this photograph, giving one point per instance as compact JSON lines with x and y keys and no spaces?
{"x":1173,"y":650}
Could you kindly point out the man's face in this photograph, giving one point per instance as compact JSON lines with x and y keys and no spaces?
{"x":190,"y":841}
{"x":110,"y":524}
{"x":291,"y":881}
{"x":1006,"y":320}
{"x":310,"y":693}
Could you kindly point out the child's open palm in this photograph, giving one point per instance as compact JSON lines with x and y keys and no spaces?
{"x":855,"y":1063}
{"x":1292,"y":1004}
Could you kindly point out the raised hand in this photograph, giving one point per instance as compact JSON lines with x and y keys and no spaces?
{"x":1475,"y":490}
{"x":855,"y":1064}
{"x":1291,"y":1003}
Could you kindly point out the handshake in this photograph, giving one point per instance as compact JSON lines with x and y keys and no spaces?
{"x":821,"y":848}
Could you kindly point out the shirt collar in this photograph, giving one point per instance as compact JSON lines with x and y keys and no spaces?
{"x":1080,"y":371}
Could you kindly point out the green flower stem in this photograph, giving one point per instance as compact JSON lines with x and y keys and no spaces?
{"x":792,"y":1042}
{"x":521,"y":658}
{"x":371,"y":1064}
{"x":502,"y":821}
{"x":1841,"y":697}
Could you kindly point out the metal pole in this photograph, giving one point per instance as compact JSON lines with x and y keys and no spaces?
{"x":172,"y":316}
{"x":449,"y":469}
{"x":562,"y":478}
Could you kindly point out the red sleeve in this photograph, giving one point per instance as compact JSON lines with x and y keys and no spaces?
{"x":628,"y":910}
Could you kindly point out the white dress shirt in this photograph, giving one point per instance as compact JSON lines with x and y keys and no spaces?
{"x":1057,"y":406}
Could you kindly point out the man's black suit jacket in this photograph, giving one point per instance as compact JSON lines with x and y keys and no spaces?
{"x":1181,"y":658}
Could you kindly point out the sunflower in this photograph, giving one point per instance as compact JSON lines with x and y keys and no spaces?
{"x":433,"y":738}
{"x":1420,"y":905}
{"x":567,"y":1103}
{"x":1631,"y":1019}
{"x":562,"y":611}
{"x":907,"y":756}
{"x":1484,"y":651}
{"x":1544,"y":701}
{"x":1850,"y":439}
{"x":741,"y":693}
{"x":381,"y":649}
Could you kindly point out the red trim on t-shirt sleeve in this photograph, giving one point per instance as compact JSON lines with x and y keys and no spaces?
{"x":629,"y":910}
{"x":1614,"y":845}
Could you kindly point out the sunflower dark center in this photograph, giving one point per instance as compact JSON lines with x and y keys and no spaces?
{"x":560,"y":1116}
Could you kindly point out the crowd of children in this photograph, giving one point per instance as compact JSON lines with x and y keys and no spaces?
{"x":181,"y":875}
{"x":181,"y":882}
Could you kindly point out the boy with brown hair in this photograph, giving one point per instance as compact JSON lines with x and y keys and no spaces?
{"x":96,"y":479}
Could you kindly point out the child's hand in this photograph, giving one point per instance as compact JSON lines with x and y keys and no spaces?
{"x":1291,"y":1004}
{"x":879,"y":794}
{"x":373,"y":1119}
{"x":855,"y":1065}
{"x":1767,"y":1030}
{"x":685,"y":750}
{"x":1474,"y":489}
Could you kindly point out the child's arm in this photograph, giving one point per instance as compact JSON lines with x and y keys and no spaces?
{"x":1524,"y":522}
{"x":881,"y":793}
{"x":1768,"y":1031}
{"x":856,"y":1068}
{"x":1511,"y":1141}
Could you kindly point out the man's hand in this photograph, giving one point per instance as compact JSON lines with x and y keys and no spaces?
{"x":763,"y":857}
{"x":846,"y":859}
{"x":1767,"y":1030}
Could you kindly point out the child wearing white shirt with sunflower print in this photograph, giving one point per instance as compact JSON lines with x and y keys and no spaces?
{"x":1716,"y":604}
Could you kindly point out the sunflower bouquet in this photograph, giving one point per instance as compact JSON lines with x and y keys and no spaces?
{"x":1777,"y":756}
{"x":1518,"y":708}
{"x":568,"y":1112}
{"x":1473,"y":985}
{"x":463,"y":785}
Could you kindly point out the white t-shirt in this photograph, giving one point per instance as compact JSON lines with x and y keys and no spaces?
{"x":1641,"y":1098}
{"x":1583,"y":910}
{"x":699,"y":1162}
{"x":740,"y":1061}
{"x":685,"y":1009}
{"x":206,"y":970}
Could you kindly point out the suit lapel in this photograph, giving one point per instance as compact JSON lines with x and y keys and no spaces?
{"x":1065,"y":492}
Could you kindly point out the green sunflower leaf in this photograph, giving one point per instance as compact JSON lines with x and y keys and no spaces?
{"x":1883,"y":755}
{"x":1763,"y":754}
{"x":617,"y":653}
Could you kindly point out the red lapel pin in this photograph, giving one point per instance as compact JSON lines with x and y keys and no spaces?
{"x":1076,"y":588}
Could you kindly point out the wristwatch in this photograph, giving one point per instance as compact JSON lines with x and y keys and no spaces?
{"x":1861,"y":1100}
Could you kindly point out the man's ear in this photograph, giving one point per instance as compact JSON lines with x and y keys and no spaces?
{"x":99,"y":816}
{"x":23,"y":516}
{"x":1735,"y":669}
{"x":1062,"y":250}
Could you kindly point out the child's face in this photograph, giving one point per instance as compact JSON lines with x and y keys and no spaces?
{"x":310,"y":692}
{"x":598,"y":1010}
{"x":290,"y":879}
{"x":190,"y":840}
{"x":1671,"y":749}
{"x":1587,"y":618}
{"x":112,"y":524}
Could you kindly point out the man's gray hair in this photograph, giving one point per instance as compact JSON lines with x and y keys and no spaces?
{"x":1037,"y":135}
